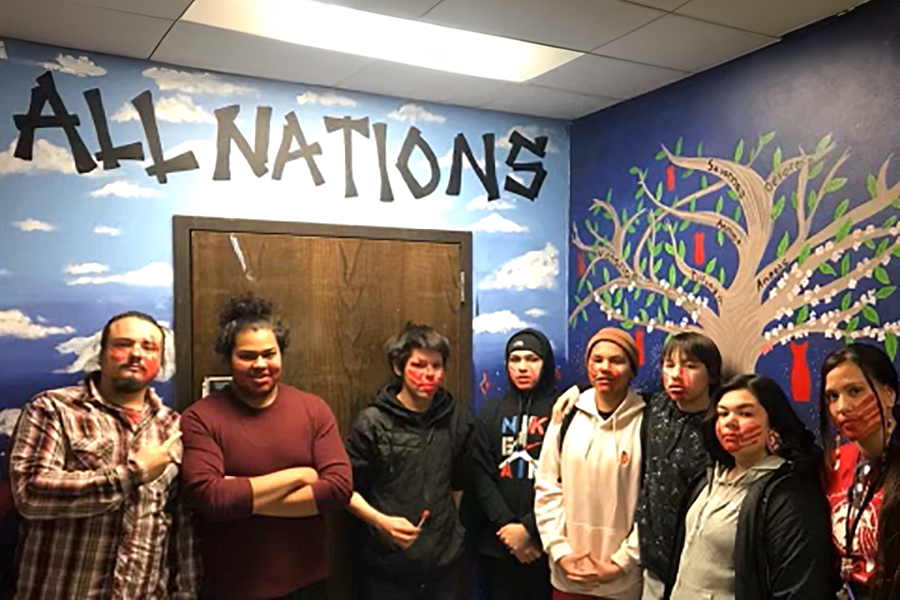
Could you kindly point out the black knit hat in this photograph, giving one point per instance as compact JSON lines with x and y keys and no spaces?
{"x":526,"y":340}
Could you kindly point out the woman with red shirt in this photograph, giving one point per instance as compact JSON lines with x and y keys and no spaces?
{"x":859,"y":389}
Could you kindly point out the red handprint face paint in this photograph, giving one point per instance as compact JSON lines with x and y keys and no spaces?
{"x":685,"y":379}
{"x":853,"y":404}
{"x":742,"y":424}
{"x":423,"y":373}
{"x":132,"y":355}
{"x":608,"y":368}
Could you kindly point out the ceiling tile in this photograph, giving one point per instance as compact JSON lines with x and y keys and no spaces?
{"x":405,"y":9}
{"x":667,"y":5}
{"x":771,"y":17}
{"x":406,"y":81}
{"x":81,"y":27}
{"x":602,"y":76}
{"x":545,"y":102}
{"x":686,"y":44}
{"x":573,"y":24}
{"x":205,"y":47}
{"x":163,"y":9}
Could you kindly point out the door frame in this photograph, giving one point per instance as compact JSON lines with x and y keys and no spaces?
{"x":184,"y":225}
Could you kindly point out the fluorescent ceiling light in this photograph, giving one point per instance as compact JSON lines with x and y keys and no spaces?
{"x":341,"y":29}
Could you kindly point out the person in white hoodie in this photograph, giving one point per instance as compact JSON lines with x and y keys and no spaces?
{"x":588,"y":480}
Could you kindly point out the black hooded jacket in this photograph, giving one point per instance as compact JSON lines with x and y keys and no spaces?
{"x":506,"y":495}
{"x":404,"y":463}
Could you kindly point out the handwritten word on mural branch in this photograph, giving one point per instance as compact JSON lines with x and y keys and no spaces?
{"x":257,"y":156}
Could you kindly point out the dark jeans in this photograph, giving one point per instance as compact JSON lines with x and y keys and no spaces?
{"x":445,"y":585}
{"x":508,"y":579}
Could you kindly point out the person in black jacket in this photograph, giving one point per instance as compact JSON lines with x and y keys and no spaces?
{"x":408,"y":453}
{"x":758,"y":526}
{"x":509,"y":434}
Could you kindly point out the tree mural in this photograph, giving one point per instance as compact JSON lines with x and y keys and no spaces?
{"x":790,"y":259}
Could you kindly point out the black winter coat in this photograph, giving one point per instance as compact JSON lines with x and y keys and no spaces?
{"x":404,"y":463}
{"x":783,"y":548}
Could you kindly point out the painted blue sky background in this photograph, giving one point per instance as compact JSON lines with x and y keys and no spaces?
{"x":75,"y":249}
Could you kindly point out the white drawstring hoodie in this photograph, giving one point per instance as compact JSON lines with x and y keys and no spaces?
{"x":585,"y":498}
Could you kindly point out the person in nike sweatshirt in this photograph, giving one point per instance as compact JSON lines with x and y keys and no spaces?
{"x":408,"y":450}
{"x":588,"y":482}
{"x":509,"y":434}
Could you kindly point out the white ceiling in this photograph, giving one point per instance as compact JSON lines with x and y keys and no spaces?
{"x":633,"y":46}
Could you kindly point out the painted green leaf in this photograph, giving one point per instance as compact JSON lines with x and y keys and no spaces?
{"x":672,"y":278}
{"x":659,"y":314}
{"x":794,"y":200}
{"x":816,"y":170}
{"x":634,"y":170}
{"x":732,"y":194}
{"x":890,"y":345}
{"x":640,"y":206}
{"x":626,"y":252}
{"x":778,"y":208}
{"x":871,"y":314}
{"x":704,"y":182}
{"x":802,"y":314}
{"x":710,"y":266}
{"x":738,"y":213}
{"x":783,"y":245}
{"x":657,"y":265}
{"x":823,"y":144}
{"x":881,"y":275}
{"x":765,"y":139}
{"x":643,"y":264}
{"x":896,"y":252}
{"x":885,"y":292}
{"x":882,"y":246}
{"x":739,"y":151}
{"x":835,"y":184}
{"x":639,"y":193}
{"x":665,"y":305}
{"x":650,"y":299}
{"x":607,"y":298}
{"x":682,"y":249}
{"x":678,"y":146}
{"x":683,"y":225}
{"x":895,"y":202}
{"x":685,"y":281}
{"x":626,"y":310}
{"x":889,"y":222}
{"x":670,"y":249}
{"x":869,"y":244}
{"x":628,"y":324}
{"x":590,"y":286}
{"x":804,"y":254}
{"x":845,"y":265}
{"x":841,"y":208}
{"x":843,"y":231}
{"x":584,"y":315}
{"x":660,"y":155}
{"x":687,"y":173}
{"x":580,"y":286}
{"x":811,"y":199}
{"x":643,"y":316}
{"x":720,"y":204}
{"x":846,"y":300}
{"x":696,"y":287}
{"x":720,"y":237}
{"x":852,"y":324}
{"x":722,"y":275}
{"x":776,"y":159}
{"x":609,"y":192}
{"x":827,"y":269}
{"x":693,"y":204}
{"x":636,"y":295}
{"x":617,"y":299}
{"x":605,"y":275}
{"x":872,"y":185}
{"x":700,"y":148}
{"x":659,"y":190}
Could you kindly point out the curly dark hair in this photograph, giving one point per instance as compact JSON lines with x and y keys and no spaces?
{"x":247,"y":311}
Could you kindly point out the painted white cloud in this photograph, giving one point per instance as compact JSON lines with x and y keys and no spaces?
{"x":80,"y":67}
{"x":502,"y":321}
{"x":85,"y":268}
{"x":123,"y":189}
{"x":87,"y":354}
{"x":156,"y":274}
{"x":329,"y":99}
{"x":5,"y":273}
{"x":494,"y":223}
{"x":413,"y":112}
{"x":536,"y":313}
{"x":8,"y":419}
{"x":531,"y":132}
{"x":172,"y":109}
{"x":533,"y":270}
{"x":194,"y":83}
{"x":482,"y":203}
{"x":15,"y":323}
{"x":45,"y":157}
{"x":106,"y":230}
{"x":29,"y":225}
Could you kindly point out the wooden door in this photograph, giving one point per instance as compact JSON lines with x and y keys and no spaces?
{"x":343,"y":291}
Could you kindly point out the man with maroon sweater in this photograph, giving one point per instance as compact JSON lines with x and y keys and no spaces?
{"x":262,"y":461}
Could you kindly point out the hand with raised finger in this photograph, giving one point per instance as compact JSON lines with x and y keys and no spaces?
{"x":153,"y":459}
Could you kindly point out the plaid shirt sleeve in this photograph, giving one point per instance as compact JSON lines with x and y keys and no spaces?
{"x":184,"y":552}
{"x":43,"y":488}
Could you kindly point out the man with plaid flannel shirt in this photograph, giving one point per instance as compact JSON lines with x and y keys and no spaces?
{"x":94,"y":470}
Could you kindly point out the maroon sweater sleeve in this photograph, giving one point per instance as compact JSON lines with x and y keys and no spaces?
{"x":203,"y":470}
{"x":335,"y":484}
